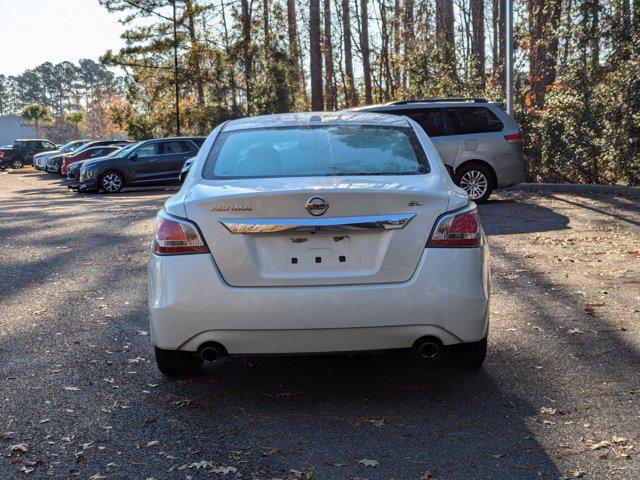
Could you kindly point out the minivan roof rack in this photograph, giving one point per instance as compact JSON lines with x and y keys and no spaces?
{"x":434,"y":100}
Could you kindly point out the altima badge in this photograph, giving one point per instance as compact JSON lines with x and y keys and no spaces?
{"x":316,"y":206}
{"x":231,"y":208}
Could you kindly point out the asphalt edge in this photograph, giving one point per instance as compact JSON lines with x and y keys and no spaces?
{"x":579,"y":188}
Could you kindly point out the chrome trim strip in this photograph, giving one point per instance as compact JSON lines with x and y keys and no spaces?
{"x":339,"y":224}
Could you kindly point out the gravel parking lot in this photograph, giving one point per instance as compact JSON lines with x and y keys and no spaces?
{"x":558,"y":397}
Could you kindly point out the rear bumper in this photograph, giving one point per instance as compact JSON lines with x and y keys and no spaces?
{"x":447,"y":297}
{"x":510,"y":169}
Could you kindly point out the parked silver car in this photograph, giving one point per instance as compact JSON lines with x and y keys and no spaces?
{"x":479,"y":143}
{"x":40,"y":159}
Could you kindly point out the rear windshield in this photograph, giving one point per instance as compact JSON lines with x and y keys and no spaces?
{"x":316,"y":151}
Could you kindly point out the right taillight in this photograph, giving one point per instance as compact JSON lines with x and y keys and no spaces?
{"x":516,"y":137}
{"x":457,"y":229}
{"x":176,"y":236}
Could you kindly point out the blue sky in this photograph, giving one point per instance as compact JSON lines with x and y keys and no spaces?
{"x":36,"y":31}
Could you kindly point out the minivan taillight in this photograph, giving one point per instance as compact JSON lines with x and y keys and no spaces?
{"x":175,"y":236}
{"x":516,"y":137}
{"x":458,"y":229}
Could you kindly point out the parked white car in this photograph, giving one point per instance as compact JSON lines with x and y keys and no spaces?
{"x":40,"y":159}
{"x":318,"y":232}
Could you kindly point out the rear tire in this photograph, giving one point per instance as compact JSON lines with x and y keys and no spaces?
{"x":17,"y":163}
{"x":175,"y":362}
{"x":469,"y":355}
{"x":476,"y":180}
{"x":111,"y":182}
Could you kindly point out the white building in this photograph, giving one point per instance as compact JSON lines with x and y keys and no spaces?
{"x":12,"y":127}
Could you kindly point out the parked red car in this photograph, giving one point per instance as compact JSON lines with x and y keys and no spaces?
{"x":93,"y":152}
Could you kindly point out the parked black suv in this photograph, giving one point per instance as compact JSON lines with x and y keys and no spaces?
{"x":22,"y":152}
{"x":152,"y":162}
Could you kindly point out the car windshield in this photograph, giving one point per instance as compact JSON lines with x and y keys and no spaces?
{"x":70,"y":147}
{"x":124,"y":151}
{"x":316,"y":151}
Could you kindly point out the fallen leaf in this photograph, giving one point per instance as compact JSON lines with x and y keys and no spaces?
{"x":549,"y":410}
{"x":224,"y":470}
{"x":577,"y":473}
{"x":72,"y":389}
{"x":368,"y":462}
{"x":19,"y":448}
{"x":426,"y":475}
{"x":200,"y":464}
{"x":599,"y":445}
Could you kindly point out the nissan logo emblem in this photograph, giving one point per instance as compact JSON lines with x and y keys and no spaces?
{"x":316,"y":206}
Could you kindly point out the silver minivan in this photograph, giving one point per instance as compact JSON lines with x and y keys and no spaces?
{"x":479,"y":143}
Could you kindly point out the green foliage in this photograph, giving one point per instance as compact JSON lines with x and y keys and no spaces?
{"x":74,"y":117}
{"x":588,"y":130}
{"x":36,"y":114}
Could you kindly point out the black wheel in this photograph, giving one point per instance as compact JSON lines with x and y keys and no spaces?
{"x":476,"y":180}
{"x":111,"y":182}
{"x":469,"y":355}
{"x":17,"y":163}
{"x":175,"y":362}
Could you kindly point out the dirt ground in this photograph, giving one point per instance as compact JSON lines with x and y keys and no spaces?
{"x":559,"y":395}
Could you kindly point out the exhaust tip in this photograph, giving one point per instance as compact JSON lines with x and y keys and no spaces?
{"x":211,"y":352}
{"x":429,"y":348}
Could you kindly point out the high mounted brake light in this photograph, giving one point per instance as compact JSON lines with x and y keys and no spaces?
{"x":176,"y":236}
{"x":458,"y":229}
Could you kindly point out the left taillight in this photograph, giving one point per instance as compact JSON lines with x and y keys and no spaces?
{"x":457,"y":229}
{"x":176,"y":236}
{"x":515,"y":138}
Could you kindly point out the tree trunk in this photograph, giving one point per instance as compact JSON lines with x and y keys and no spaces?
{"x":445,"y":32}
{"x":352,"y":94}
{"x":232,"y":76}
{"x":477,"y":45}
{"x":595,"y":35}
{"x":444,"y":20}
{"x":247,"y":52}
{"x":385,"y":66}
{"x":364,"y":48}
{"x":408,"y":34}
{"x":294,"y":52}
{"x":502,"y":49}
{"x":267,"y":33}
{"x":494,"y":37}
{"x":544,"y":21}
{"x":398,"y":67}
{"x":195,"y":51}
{"x":330,"y":80}
{"x":317,"y":100}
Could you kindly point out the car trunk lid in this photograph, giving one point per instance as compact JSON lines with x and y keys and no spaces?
{"x":271,"y":231}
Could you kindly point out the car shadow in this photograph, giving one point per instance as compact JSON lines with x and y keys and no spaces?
{"x":516,"y":215}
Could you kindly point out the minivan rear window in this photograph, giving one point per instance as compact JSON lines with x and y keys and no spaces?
{"x":467,"y":120}
{"x":325,"y":150}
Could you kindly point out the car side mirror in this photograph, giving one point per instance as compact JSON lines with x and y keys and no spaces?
{"x":133,"y":157}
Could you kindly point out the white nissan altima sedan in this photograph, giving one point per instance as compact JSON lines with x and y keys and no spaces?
{"x":318,"y":232}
